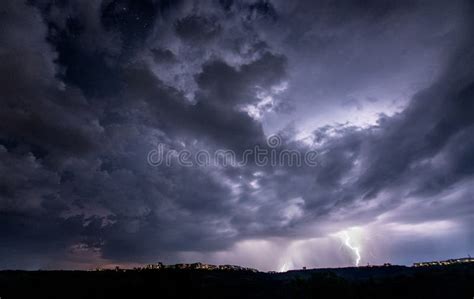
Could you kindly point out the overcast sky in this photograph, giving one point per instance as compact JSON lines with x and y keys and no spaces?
{"x":382,"y":91}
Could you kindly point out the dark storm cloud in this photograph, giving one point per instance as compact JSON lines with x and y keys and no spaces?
{"x":88,"y":88}
{"x":163,"y":56}
{"x":196,"y":28}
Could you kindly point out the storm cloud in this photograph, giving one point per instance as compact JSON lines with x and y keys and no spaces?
{"x":383,"y":91}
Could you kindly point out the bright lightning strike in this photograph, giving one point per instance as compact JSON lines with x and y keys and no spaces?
{"x":283,"y":268}
{"x":347,"y":241}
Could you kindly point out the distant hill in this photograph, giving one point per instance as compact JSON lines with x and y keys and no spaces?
{"x":451,"y":281}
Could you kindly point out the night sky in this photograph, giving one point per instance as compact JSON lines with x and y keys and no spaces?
{"x":382,"y":91}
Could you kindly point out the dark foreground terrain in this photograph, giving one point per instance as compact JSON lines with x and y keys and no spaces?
{"x":455,"y":281}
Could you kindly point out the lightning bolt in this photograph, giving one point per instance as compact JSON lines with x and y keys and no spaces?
{"x":286,"y":266}
{"x":347,"y":241}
